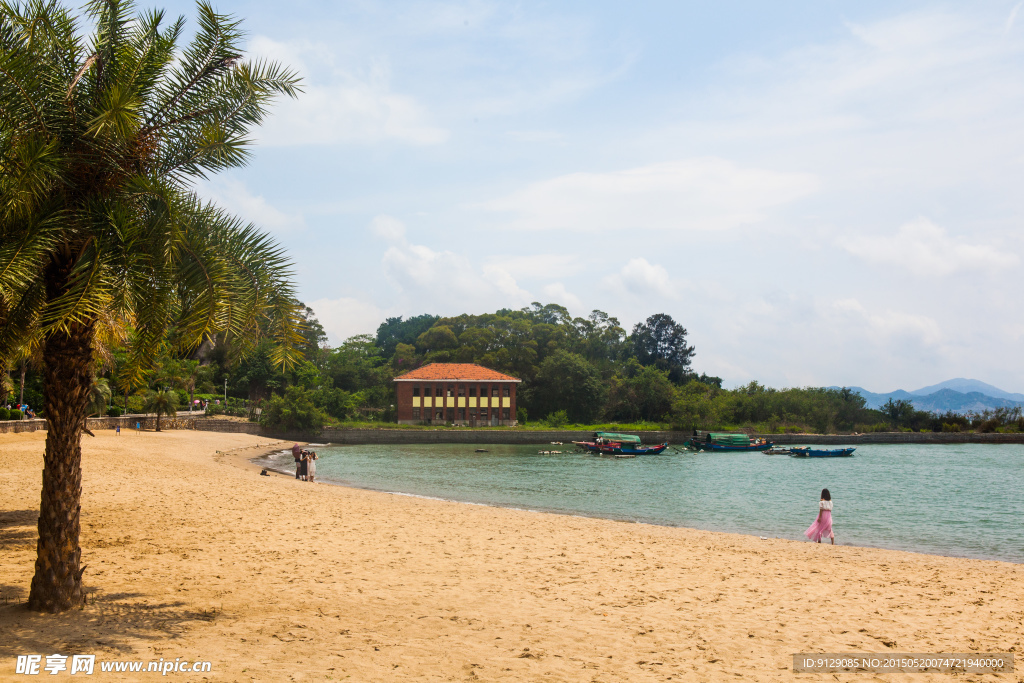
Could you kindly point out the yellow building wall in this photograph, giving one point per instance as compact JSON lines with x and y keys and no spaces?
{"x":506,"y":402}
{"x":415,"y":401}
{"x":462,"y":402}
{"x":427,"y":402}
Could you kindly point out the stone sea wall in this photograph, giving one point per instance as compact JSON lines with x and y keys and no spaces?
{"x":499,"y":436}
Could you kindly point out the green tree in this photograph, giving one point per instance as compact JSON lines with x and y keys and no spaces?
{"x":661,"y":341}
{"x":100,"y":140}
{"x":643,"y":393}
{"x":162,"y":402}
{"x":395,"y":331}
{"x":99,"y":397}
{"x":293,"y":412}
{"x":566,"y":381}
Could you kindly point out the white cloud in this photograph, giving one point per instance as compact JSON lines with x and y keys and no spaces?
{"x":557,"y":293}
{"x":443,"y":280}
{"x":388,"y":228}
{"x":345,"y":317}
{"x":641,"y":279}
{"x":691,"y":194}
{"x":541,"y":266}
{"x":342,"y":108}
{"x":886,"y":324}
{"x":924,"y":248}
{"x":1013,"y":17}
{"x":233,"y":196}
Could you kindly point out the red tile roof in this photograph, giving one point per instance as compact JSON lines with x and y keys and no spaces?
{"x":459,"y":372}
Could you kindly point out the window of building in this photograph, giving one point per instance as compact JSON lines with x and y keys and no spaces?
{"x":504,"y":390}
{"x":438,"y":414}
{"x":451,"y":414}
{"x":462,"y":413}
{"x":451,"y":390}
{"x":462,"y":390}
{"x":494,"y":390}
{"x":440,"y":390}
{"x":483,"y":413}
{"x":415,"y":413}
{"x":426,"y":391}
{"x":416,"y":391}
{"x":472,"y":391}
{"x":505,"y":413}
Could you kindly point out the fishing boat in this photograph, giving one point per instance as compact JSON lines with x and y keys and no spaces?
{"x":630,"y":450}
{"x":807,"y":452}
{"x":778,"y":450}
{"x":723,"y":441}
{"x":604,"y":438}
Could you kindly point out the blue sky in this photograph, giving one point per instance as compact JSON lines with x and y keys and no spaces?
{"x":821,"y":192}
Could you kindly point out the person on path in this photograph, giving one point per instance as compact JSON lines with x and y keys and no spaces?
{"x":118,"y":428}
{"x":311,"y":460}
{"x":297,"y":454}
{"x":823,"y":524}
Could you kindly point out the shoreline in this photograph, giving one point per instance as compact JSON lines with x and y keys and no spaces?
{"x":515,"y":435}
{"x":583,"y":515}
{"x":192,"y":554}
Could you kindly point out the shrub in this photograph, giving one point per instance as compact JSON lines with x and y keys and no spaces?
{"x":4,"y":413}
{"x":293,"y":412}
{"x":215,"y":409}
{"x":557,"y":419}
{"x":113,"y":411}
{"x":947,"y":427}
{"x":988,"y":426}
{"x":521,"y":415}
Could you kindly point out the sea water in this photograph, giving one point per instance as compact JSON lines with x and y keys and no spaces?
{"x":964,"y":500}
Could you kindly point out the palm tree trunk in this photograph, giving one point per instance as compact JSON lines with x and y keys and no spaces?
{"x":67,"y":379}
{"x":158,"y":419}
{"x":24,"y":367}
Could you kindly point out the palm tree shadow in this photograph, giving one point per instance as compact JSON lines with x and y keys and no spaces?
{"x":109,"y":624}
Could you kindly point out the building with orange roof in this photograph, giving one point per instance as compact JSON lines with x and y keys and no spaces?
{"x":456,"y":393}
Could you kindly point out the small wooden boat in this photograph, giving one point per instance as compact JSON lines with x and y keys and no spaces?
{"x":607,"y":438}
{"x":778,"y":450}
{"x":630,"y":450}
{"x":726,"y":442}
{"x":807,"y":452}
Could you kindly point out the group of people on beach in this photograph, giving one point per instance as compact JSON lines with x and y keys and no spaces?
{"x":305,"y":463}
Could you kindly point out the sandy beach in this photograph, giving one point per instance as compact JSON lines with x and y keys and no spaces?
{"x":192,"y":554}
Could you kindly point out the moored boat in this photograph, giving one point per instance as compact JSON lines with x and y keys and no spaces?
{"x":724,"y":441}
{"x":631,"y":450}
{"x":808,"y":452}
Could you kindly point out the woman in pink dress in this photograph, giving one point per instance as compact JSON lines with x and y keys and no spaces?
{"x":823,"y":524}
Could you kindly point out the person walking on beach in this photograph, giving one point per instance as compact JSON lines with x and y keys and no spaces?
{"x":311,"y":467}
{"x":304,"y":466}
{"x":297,"y":454}
{"x":823,"y":524}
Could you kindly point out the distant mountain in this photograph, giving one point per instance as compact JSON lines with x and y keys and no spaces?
{"x":944,"y":397}
{"x":967,"y":386}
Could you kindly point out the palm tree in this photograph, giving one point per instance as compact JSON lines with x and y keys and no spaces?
{"x":162,"y":402}
{"x":99,"y":397}
{"x":100,"y":140}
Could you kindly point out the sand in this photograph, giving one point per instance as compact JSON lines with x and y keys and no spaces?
{"x":192,"y":554}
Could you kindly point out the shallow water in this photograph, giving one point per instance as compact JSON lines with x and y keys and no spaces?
{"x":964,"y":500}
